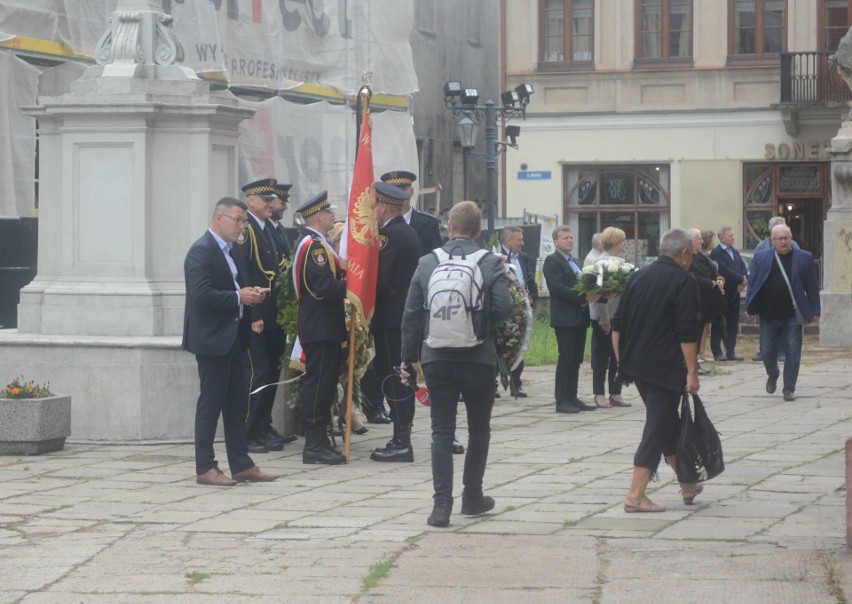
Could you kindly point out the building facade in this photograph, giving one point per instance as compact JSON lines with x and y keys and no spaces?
{"x":650,"y":114}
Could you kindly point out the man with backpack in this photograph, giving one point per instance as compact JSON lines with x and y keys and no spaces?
{"x":458,"y":294}
{"x":399,"y":250}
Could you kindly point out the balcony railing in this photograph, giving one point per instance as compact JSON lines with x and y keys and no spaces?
{"x":809,"y":77}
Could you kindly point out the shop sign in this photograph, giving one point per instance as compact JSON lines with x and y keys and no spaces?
{"x":801,"y":151}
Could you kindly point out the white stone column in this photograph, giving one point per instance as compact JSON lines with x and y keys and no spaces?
{"x":836,"y":296}
{"x":132,"y":161}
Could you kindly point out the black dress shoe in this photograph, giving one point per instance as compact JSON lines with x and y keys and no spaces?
{"x":734,"y":357}
{"x":272,"y":444}
{"x":378,"y":417}
{"x":702,"y":371}
{"x":458,"y":448}
{"x":771,"y":384}
{"x":583,"y":406}
{"x":521,"y":392}
{"x":280,"y":437}
{"x":257,"y":447}
{"x":719,"y":358}
{"x":789,"y":395}
{"x":757,"y":357}
{"x":566,"y":408}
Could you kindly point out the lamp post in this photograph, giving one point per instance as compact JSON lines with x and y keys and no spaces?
{"x":467,"y":137}
{"x":463,"y":101}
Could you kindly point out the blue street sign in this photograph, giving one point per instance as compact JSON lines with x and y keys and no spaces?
{"x":534,"y":175}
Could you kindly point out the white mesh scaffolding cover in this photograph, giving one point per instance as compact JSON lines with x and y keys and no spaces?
{"x":18,"y":87}
{"x":313,"y":146}
{"x":268,"y":44}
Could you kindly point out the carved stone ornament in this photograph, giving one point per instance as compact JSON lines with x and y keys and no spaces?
{"x":843,"y":59}
{"x":141,"y":36}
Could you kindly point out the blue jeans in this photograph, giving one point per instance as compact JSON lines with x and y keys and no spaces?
{"x":785,"y":334}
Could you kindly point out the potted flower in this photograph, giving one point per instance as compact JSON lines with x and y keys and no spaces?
{"x":33,"y":420}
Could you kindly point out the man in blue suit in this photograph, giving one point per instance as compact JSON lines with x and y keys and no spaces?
{"x":733,"y":269}
{"x":216,"y":330}
{"x":569,"y":317}
{"x":784,"y":305}
{"x":511,"y":245}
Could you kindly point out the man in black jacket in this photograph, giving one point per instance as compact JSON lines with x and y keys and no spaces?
{"x":451,"y":371}
{"x":427,"y":227}
{"x":569,"y":317}
{"x":399,"y":250}
{"x":216,"y":329}
{"x":733,"y":269}
{"x":655,"y":335}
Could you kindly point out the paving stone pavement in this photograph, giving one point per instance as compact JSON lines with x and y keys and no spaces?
{"x":118,"y":523}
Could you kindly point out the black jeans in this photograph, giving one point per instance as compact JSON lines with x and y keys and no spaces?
{"x":571,"y":342}
{"x":604,"y":367}
{"x":224,"y":390}
{"x":445,"y":381}
{"x":659,"y":437}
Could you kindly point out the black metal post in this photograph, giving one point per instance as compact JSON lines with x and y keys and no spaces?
{"x":465,"y":165}
{"x":491,"y":163}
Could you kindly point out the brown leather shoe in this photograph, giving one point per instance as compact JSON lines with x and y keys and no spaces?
{"x":253,"y":474}
{"x":214,"y":477}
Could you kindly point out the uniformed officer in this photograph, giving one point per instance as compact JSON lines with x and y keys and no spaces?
{"x":257,"y":250}
{"x":321,"y":288}
{"x":399,"y":251}
{"x":279,"y":206}
{"x":427,"y":227}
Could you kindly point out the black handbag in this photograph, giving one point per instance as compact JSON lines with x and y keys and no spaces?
{"x":699,"y":449}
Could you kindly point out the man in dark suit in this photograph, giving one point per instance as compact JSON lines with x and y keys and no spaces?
{"x":784,"y":305}
{"x":259,"y":255}
{"x":511,"y":244}
{"x":569,"y":317}
{"x":320,"y":288}
{"x":216,"y":329}
{"x":733,"y":269}
{"x":399,"y":251}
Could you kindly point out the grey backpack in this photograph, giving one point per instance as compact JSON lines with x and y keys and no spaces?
{"x":454,"y":300}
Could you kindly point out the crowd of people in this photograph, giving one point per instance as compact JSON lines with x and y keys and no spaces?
{"x":650,"y":333}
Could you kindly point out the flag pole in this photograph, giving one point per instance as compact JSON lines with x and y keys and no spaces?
{"x":362,"y":106}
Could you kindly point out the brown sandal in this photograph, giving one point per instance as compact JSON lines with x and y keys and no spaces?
{"x":615,"y":403}
{"x":600,"y":401}
{"x":689,"y":494}
{"x":635,"y":505}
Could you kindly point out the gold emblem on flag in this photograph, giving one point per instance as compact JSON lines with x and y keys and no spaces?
{"x":363,"y":228}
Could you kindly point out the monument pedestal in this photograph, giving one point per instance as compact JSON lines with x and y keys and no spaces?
{"x":836,"y":295}
{"x":132,"y":162}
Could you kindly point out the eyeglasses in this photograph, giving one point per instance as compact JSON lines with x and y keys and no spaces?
{"x":239,"y":221}
{"x":781,"y":238}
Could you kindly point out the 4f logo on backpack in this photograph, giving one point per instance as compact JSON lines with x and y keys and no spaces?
{"x":454,"y":299}
{"x":445,"y":313}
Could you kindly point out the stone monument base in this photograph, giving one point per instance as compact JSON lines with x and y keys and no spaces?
{"x":122,"y":388}
{"x":837,"y":309}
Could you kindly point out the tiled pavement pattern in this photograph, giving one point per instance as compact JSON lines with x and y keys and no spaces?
{"x":127,"y":523}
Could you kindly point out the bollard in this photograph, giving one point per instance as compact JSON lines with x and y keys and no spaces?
{"x":848,"y":500}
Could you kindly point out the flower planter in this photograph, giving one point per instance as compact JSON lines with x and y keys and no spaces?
{"x":34,"y":426}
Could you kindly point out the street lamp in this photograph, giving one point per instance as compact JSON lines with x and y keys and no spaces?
{"x":463,"y":101}
{"x":467,"y":136}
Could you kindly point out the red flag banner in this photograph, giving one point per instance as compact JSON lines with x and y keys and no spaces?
{"x":362,"y":232}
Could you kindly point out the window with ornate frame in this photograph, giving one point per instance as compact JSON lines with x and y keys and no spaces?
{"x":566,"y":33}
{"x":835,"y":18}
{"x":634,"y":197}
{"x":757,"y":29}
{"x":663,"y":31}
